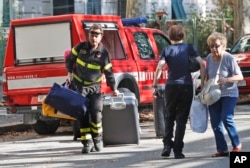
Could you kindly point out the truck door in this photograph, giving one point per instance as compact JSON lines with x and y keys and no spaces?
{"x":148,"y":54}
{"x":160,"y":42}
{"x":122,"y":62}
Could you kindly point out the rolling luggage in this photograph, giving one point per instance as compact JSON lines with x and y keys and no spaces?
{"x":158,"y":108}
{"x":67,"y":101}
{"x":120,"y":119}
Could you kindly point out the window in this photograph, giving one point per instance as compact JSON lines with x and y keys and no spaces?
{"x":110,"y":7}
{"x":63,"y":7}
{"x":241,"y":46}
{"x":178,"y":11}
{"x":143,"y":45}
{"x":111,"y":39}
{"x":94,"y":7}
{"x":45,"y":51}
{"x":161,"y":42}
{"x":122,"y":8}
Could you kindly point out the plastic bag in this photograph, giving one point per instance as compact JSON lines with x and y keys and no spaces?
{"x":198,"y":116}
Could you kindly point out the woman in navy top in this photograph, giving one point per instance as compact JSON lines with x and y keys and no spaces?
{"x":178,"y":89}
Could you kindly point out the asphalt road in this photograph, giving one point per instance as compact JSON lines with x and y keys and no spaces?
{"x":61,"y":151}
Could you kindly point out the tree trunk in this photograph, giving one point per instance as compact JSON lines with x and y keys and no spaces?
{"x":135,"y":8}
{"x":241,"y":18}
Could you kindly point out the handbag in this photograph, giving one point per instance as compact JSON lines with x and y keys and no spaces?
{"x":67,"y":101}
{"x":198,"y":115}
{"x":194,"y":65}
{"x":211,"y":92}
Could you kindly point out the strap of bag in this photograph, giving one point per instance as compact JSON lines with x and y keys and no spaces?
{"x":211,"y":81}
{"x":218,"y":72}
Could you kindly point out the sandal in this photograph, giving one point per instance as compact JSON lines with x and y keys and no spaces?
{"x":220,"y":154}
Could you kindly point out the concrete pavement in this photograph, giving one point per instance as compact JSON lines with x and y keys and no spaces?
{"x":61,"y":151}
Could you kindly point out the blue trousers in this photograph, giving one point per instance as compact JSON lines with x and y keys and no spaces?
{"x":222,"y":113}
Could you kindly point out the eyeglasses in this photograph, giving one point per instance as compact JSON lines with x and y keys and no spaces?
{"x":94,"y":33}
{"x":215,"y":46}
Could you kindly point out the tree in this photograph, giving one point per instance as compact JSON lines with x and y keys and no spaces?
{"x":241,"y":18}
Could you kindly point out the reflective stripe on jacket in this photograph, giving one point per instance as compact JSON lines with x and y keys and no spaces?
{"x":90,"y":64}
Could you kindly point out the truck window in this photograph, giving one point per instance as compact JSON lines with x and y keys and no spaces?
{"x":112,"y":42}
{"x":111,"y":39}
{"x":241,"y":46}
{"x":161,"y":42}
{"x":41,"y":43}
{"x":143,"y":45}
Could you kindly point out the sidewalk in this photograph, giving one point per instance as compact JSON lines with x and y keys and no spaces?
{"x":200,"y":146}
{"x":60,"y":151}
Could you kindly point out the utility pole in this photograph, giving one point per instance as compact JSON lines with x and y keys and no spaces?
{"x":241,"y":18}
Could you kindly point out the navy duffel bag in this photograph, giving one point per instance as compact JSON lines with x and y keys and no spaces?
{"x":67,"y":101}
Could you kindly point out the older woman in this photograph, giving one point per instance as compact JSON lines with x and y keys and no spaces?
{"x":222,"y":111}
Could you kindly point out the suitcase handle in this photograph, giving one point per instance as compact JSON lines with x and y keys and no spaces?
{"x":117,"y":102}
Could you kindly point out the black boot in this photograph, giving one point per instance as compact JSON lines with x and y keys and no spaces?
{"x":98,"y":144}
{"x":167,"y":149}
{"x":179,"y":155}
{"x":178,"y":152}
{"x":87,"y":147}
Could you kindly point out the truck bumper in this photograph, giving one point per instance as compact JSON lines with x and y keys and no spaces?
{"x":30,"y":113}
{"x":24,"y":110}
{"x":7,"y":120}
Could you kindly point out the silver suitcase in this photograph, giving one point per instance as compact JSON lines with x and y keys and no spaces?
{"x":120,"y":119}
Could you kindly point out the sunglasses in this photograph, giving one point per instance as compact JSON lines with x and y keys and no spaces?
{"x":215,"y":46}
{"x":95,"y":33}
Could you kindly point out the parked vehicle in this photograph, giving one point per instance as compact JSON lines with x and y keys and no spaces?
{"x":34,"y":60}
{"x":241,"y":51}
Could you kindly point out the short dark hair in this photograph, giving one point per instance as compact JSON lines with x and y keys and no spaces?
{"x":96,"y":26}
{"x":176,"y":33}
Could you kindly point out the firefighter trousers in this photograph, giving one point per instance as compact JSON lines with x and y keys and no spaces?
{"x":91,"y":124}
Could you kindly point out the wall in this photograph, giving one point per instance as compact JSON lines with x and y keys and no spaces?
{"x":201,"y":7}
{"x":160,"y":5}
{"x":80,"y":6}
{"x":30,"y":8}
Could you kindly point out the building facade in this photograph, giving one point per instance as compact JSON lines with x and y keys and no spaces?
{"x":19,"y":9}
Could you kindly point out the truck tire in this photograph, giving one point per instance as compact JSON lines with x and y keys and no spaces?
{"x":46,"y":127}
{"x":123,"y":90}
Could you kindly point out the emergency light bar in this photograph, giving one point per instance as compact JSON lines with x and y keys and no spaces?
{"x":134,"y":21}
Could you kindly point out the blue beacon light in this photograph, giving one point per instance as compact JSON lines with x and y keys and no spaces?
{"x":134,"y":21}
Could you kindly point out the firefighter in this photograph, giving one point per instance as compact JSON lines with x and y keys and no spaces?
{"x":85,"y":64}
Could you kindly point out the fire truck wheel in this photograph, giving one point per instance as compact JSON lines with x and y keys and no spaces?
{"x":45,"y":127}
{"x":123,"y":90}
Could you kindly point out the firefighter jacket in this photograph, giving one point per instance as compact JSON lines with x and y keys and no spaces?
{"x":89,"y":65}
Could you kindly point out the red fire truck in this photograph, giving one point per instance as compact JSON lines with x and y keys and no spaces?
{"x":34,"y":60}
